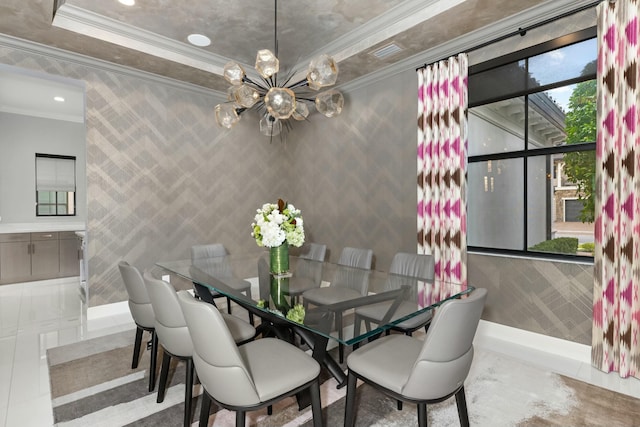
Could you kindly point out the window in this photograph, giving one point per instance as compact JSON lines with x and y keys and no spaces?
{"x":55,"y":185}
{"x":532,"y":132}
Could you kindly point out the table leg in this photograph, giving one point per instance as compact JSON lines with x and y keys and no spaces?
{"x":319,"y":345}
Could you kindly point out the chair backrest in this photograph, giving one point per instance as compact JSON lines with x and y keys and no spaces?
{"x":217,"y":360}
{"x":354,"y":257}
{"x":170,"y":325}
{"x":310,"y":261}
{"x":212,"y":260}
{"x":313,"y":251}
{"x":211,"y":250}
{"x":415,"y":265}
{"x":139,"y":302}
{"x":264,"y":279}
{"x":447,"y":352}
{"x":356,"y":276}
{"x":410,"y":265}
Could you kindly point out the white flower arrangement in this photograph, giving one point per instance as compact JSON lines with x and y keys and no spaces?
{"x":276,"y":223}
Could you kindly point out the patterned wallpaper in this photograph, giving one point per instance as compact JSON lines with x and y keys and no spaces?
{"x":162,"y":177}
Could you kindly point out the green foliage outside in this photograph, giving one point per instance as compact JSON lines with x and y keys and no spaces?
{"x":560,"y":245}
{"x":580,"y":125}
{"x":587,"y":247}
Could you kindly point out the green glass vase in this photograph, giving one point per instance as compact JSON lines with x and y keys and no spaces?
{"x":279,"y":256}
{"x":279,"y":266}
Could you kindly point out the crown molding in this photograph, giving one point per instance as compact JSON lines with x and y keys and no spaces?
{"x":381,"y":28}
{"x":42,"y":115}
{"x":98,"y":64}
{"x":93,"y":25}
{"x":494,"y":31}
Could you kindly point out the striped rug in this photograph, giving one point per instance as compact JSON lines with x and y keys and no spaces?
{"x":92,"y":384}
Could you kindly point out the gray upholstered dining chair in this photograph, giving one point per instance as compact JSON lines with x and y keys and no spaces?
{"x":403,"y":265}
{"x":421,"y":372}
{"x":347,"y":283}
{"x":174,"y":338}
{"x":248,"y":377}
{"x":143,"y":316}
{"x":308,"y":271}
{"x":210,"y":259}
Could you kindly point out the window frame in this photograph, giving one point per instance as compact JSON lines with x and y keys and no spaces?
{"x":529,"y":152}
{"x":69,"y":193}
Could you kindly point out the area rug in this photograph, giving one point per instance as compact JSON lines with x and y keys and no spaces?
{"x":92,"y":384}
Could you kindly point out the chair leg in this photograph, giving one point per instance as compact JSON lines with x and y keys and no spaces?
{"x":339,"y":328}
{"x":136,"y":348}
{"x":188,"y":392}
{"x":204,"y":410}
{"x":357,"y":321}
{"x":316,"y":405}
{"x":164,"y":373}
{"x":240,"y":418}
{"x":399,"y":405}
{"x":422,"y":414}
{"x":461,"y":401}
{"x":228,"y":305}
{"x":152,"y":363}
{"x":349,"y":412}
{"x":270,"y":410}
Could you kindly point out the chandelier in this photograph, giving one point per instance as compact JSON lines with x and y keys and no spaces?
{"x":278,"y":102}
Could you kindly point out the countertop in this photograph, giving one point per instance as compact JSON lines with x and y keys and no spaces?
{"x":34,"y":227}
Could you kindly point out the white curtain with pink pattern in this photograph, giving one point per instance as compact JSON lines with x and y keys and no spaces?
{"x":616,"y":305}
{"x":442,"y":160}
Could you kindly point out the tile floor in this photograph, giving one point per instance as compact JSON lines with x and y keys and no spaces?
{"x":41,"y":315}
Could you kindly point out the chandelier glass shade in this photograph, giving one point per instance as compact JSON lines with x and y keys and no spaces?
{"x":279,"y":101}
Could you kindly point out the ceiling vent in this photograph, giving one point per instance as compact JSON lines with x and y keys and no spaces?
{"x":387,"y":50}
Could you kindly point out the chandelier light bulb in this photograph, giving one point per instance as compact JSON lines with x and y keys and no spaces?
{"x":322,"y":72}
{"x":270,"y":126}
{"x":280,"y":102}
{"x":246,"y":96}
{"x":233,"y":73}
{"x":330,"y":103}
{"x":301,"y":112}
{"x":266,"y":63}
{"x":226,"y":115}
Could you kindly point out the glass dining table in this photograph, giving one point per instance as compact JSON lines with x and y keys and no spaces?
{"x":400,"y":298}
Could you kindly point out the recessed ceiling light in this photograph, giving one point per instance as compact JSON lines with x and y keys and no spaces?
{"x":58,"y":98}
{"x":199,"y":40}
{"x":128,"y":2}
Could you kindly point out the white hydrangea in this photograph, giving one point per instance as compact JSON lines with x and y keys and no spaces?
{"x":271,"y":227}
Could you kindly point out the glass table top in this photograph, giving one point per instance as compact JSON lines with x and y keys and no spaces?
{"x":367,"y":302}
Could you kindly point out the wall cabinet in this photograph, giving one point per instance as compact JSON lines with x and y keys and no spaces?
{"x":38,"y":256}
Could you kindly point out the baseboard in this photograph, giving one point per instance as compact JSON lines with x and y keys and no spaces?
{"x":107,"y":310}
{"x":506,"y":336}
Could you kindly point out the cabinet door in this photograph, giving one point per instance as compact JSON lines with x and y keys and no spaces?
{"x":45,"y":259}
{"x":69,"y":255}
{"x":15,"y":262}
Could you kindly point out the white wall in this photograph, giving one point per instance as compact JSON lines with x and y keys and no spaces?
{"x":20,"y":138}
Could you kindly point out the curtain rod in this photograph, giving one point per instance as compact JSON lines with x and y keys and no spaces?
{"x":523,"y":31}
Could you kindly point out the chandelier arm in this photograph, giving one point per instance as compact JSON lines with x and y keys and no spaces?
{"x":301,"y":83}
{"x":256,"y":85}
